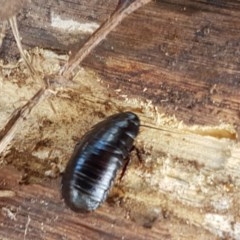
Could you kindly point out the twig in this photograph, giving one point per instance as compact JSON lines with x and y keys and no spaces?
{"x":14,"y":26}
{"x":123,"y":9}
{"x":26,"y":227}
{"x":2,"y":32}
{"x":34,"y":75}
{"x":18,"y":117}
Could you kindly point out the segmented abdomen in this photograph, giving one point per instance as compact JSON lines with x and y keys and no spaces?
{"x":96,"y":159}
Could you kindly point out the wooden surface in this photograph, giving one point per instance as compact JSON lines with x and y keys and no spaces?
{"x":36,"y":212}
{"x":176,"y":58}
{"x":185,"y":54}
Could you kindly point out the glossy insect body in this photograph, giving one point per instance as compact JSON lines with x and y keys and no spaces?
{"x":97,"y":157}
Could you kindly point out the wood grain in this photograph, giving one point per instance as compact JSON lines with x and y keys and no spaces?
{"x":188,"y":174}
{"x":37,"y":212}
{"x":184,"y":54}
{"x":167,"y":59}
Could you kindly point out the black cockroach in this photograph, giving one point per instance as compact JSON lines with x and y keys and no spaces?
{"x":96,"y":159}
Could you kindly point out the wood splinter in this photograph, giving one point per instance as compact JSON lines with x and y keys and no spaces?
{"x":8,"y":11}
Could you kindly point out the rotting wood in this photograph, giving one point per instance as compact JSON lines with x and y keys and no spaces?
{"x":175,"y":170}
{"x":187,"y":61}
{"x":18,"y":117}
{"x":187,"y":174}
{"x":15,"y":122}
{"x":33,"y":214}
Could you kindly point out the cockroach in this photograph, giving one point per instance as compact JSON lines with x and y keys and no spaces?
{"x":96,"y":159}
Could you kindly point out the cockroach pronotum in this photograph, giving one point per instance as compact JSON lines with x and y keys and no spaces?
{"x":96,"y":159}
